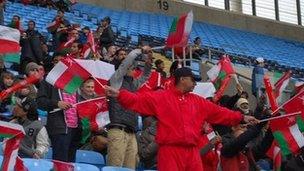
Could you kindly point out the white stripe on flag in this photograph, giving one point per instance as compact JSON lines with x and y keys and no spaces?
{"x":214,"y":72}
{"x":7,"y":33}
{"x":282,"y":88}
{"x":211,"y":135}
{"x":102,"y":119}
{"x":188,"y":24}
{"x":297,"y":135}
{"x":56,"y":72}
{"x":12,"y":126}
{"x":276,"y":151}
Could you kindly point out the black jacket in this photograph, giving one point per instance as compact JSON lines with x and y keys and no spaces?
{"x":31,"y":47}
{"x":107,"y":37}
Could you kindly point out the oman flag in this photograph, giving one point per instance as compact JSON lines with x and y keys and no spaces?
{"x":281,"y":85}
{"x":101,"y":71}
{"x":68,"y":75}
{"x":218,"y":73}
{"x":94,"y":115}
{"x":275,"y":154}
{"x":180,"y":31}
{"x":288,"y":132}
{"x":9,"y":40}
{"x":14,"y":134}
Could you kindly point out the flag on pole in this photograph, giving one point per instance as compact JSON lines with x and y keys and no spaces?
{"x":9,"y":40}
{"x":101,"y":71}
{"x":13,"y":134}
{"x":219,"y":72}
{"x":68,"y":75}
{"x":281,"y":85}
{"x":288,"y":132}
{"x":180,"y":31}
{"x":94,"y":114}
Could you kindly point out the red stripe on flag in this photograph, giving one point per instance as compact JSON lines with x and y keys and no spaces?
{"x":9,"y":46}
{"x":76,"y":68}
{"x":177,"y":36}
{"x":64,"y":79}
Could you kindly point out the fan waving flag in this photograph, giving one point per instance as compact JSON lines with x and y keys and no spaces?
{"x":94,"y":115}
{"x":180,"y":31}
{"x":9,"y":40}
{"x":68,"y":75}
{"x":14,"y":134}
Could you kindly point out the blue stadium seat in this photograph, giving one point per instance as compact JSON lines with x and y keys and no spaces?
{"x":85,"y":167}
{"x":49,"y":154}
{"x":112,"y":168}
{"x":90,"y":157}
{"x":38,"y":165}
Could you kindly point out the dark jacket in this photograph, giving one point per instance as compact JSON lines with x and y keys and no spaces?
{"x":119,"y":115}
{"x":147,"y":147}
{"x":31,"y":47}
{"x":107,"y":37}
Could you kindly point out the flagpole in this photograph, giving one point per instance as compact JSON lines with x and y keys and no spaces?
{"x":281,"y":116}
{"x":158,"y":47}
{"x":275,"y":111}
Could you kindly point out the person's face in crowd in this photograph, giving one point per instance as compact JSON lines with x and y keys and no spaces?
{"x":261,"y":64}
{"x":15,"y":19}
{"x":57,"y":59}
{"x":75,"y":34}
{"x":198,"y":42}
{"x":34,"y":71}
{"x":122,"y":55}
{"x":60,"y":14}
{"x":88,"y":88}
{"x":31,"y":25}
{"x":161,"y":66}
{"x":85,"y":31}
{"x":104,"y":23}
{"x":188,"y":84}
{"x":111,"y":50}
{"x":244,"y":107}
{"x":239,"y":129}
{"x":25,"y":91}
{"x":44,"y":48}
{"x":18,"y":111}
{"x":74,"y":48}
{"x":8,"y":81}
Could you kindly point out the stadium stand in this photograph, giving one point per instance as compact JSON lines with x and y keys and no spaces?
{"x":277,"y":52}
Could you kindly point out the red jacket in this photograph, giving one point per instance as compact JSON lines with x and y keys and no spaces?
{"x":235,"y":163}
{"x":210,"y":160}
{"x":180,"y":116}
{"x":154,"y":82}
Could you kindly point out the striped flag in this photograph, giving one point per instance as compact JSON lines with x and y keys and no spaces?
{"x":9,"y":40}
{"x":180,"y":31}
{"x":14,"y":134}
{"x":275,"y":154}
{"x":68,"y":75}
{"x":281,"y":85}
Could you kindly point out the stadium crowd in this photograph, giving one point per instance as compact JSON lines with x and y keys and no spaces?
{"x":181,"y":130}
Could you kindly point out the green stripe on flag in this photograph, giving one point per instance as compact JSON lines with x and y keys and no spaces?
{"x":300,"y":123}
{"x":173,"y":26}
{"x":73,"y":85}
{"x":12,"y":57}
{"x":282,"y":142}
{"x":276,"y":76}
{"x":221,"y":76}
{"x":6,"y":135}
{"x":86,"y":130}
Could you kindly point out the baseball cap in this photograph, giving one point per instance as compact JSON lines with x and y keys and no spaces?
{"x":183,"y":72}
{"x":260,"y":60}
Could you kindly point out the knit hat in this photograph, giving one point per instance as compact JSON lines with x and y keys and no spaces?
{"x":241,"y":101}
{"x":31,"y":66}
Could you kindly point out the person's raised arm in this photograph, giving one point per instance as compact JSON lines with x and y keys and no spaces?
{"x":143,"y":103}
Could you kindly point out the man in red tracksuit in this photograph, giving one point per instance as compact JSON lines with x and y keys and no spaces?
{"x":180,"y":115}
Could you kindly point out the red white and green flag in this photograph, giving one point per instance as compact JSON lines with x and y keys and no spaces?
{"x":13,"y":134}
{"x":281,"y":85}
{"x":275,"y":154}
{"x":218,"y":73}
{"x":60,"y":166}
{"x":101,"y":71}
{"x":94,"y":114}
{"x":180,"y":31}
{"x":288,"y":132}
{"x":9,"y":40}
{"x":68,"y":75}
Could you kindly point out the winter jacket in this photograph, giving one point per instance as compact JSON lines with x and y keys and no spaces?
{"x":180,"y":116}
{"x":147,"y":147}
{"x":107,"y":37}
{"x":47,"y":99}
{"x":118,"y":114}
{"x":31,"y":47}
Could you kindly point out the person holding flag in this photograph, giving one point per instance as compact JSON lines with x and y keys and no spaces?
{"x":181,"y":115}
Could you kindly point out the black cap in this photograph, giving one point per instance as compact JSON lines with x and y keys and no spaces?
{"x":107,"y":19}
{"x":28,"y":105}
{"x":183,"y":72}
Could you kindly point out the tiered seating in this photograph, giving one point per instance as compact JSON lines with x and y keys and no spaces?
{"x":235,"y":42}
